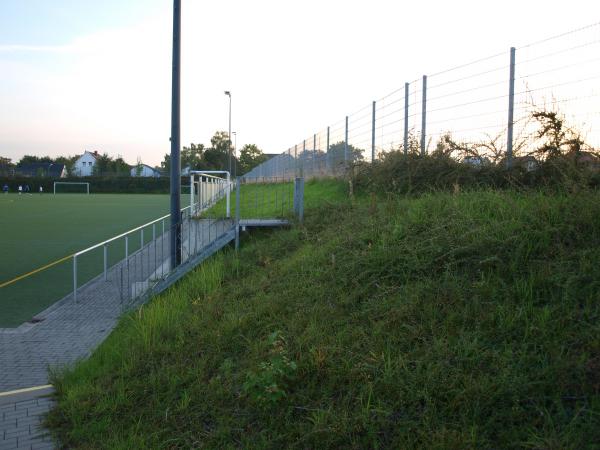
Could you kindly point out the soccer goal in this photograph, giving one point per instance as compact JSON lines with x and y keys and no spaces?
{"x":207,"y":188}
{"x":71,"y":187}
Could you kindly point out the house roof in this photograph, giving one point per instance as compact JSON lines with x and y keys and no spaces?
{"x":47,"y":169}
{"x":93,"y":154}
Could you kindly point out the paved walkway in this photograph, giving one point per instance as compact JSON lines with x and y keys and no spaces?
{"x":70,"y":330}
{"x":20,"y":420}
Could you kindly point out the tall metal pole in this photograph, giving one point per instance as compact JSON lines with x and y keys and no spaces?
{"x":424,"y":115}
{"x":328,"y":161}
{"x":228,"y":93}
{"x":346,"y":142}
{"x":373,"y":133}
{"x":406,"y":118}
{"x":314,"y":154}
{"x":175,"y":139}
{"x":511,"y":109}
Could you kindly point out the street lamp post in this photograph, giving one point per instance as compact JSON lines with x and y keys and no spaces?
{"x":228,"y":94}
{"x":175,"y":234}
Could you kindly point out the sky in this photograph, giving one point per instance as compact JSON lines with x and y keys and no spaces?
{"x":91,"y":75}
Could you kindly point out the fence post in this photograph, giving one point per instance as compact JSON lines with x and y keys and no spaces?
{"x":373,"y":133}
{"x":127,"y":246}
{"x":296,"y":159}
{"x":75,"y":278}
{"x":346,"y":143}
{"x":328,"y":160}
{"x":314,"y":158}
{"x":424,"y":115}
{"x":511,"y":109}
{"x":192,"y":192}
{"x":105,"y":262}
{"x":237,"y":213}
{"x":406,"y":119}
{"x":228,"y":195}
{"x":299,"y":198}
{"x":303,"y":158}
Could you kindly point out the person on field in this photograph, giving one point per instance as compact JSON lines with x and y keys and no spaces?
{"x":27,"y":189}
{"x":20,"y":189}
{"x":41,"y":190}
{"x":5,"y":188}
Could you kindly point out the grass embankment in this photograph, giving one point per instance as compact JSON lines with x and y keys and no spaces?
{"x":445,"y":321}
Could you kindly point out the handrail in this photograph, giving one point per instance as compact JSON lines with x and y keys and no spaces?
{"x":108,"y":241}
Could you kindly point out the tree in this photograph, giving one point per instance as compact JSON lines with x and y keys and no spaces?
{"x":139,"y":167}
{"x":250,"y":157}
{"x":337,"y":150}
{"x":198,"y":157}
{"x":120,"y":167}
{"x":68,"y":161}
{"x":31,"y":159}
{"x":103,"y":165}
{"x":192,"y":156}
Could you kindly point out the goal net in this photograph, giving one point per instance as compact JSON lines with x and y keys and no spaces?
{"x":71,"y":187}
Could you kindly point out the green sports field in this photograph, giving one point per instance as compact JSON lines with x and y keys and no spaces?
{"x":39,"y":229}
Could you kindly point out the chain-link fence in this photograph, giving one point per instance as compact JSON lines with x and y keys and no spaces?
{"x":491,"y":110}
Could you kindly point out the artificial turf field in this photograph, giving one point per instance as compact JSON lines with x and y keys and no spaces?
{"x":39,"y":229}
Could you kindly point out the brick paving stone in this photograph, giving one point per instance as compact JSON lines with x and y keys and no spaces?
{"x":70,"y":330}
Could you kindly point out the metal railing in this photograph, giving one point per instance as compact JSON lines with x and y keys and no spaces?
{"x":483,"y":108}
{"x":121,"y":270}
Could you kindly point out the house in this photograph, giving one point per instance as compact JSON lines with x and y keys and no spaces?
{"x":84,"y":165}
{"x":51,"y":170}
{"x":476,"y":161}
{"x":144,"y":170}
{"x":528,"y":163}
{"x":585,"y":159}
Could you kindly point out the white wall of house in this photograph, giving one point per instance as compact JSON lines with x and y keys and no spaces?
{"x":84,"y":165}
{"x":146,"y":171}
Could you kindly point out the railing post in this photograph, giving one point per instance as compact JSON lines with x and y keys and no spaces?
{"x":346,"y":142}
{"x":228,"y":196}
{"x":299,"y":198}
{"x":373,"y":133}
{"x":105,"y":262}
{"x":406,"y":119}
{"x":75,"y":278}
{"x":424,"y":116}
{"x":511,"y":109}
{"x":141,"y":238}
{"x":127,"y":245}
{"x":237,"y":214}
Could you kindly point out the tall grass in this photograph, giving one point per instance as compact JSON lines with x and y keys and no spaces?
{"x":443,"y":321}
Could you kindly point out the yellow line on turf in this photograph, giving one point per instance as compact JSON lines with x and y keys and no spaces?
{"x":33,"y":272}
{"x":23,"y":391}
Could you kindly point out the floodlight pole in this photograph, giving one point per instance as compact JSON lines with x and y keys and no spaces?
{"x":175,"y":140}
{"x":228,"y":94}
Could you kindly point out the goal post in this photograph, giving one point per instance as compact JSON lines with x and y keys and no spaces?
{"x":84,"y":186}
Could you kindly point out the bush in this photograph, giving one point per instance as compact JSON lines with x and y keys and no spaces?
{"x":396,"y":172}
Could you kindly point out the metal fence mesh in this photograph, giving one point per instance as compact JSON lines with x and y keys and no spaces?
{"x":464,"y":110}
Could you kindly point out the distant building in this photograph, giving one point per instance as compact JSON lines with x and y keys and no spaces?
{"x":84,"y":165}
{"x":51,"y":170}
{"x":145,"y":170}
{"x":476,"y":161}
